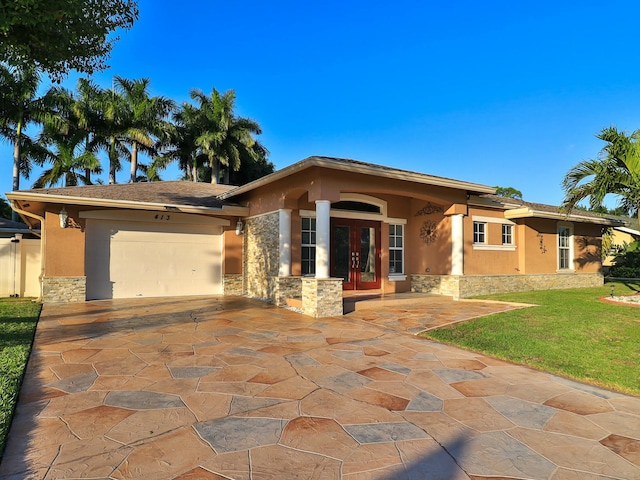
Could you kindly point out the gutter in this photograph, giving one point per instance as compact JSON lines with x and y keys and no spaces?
{"x":230,"y":210}
{"x":41,"y":235}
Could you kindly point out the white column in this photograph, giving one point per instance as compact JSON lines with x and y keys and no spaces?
{"x":323,"y":237}
{"x":285,"y":242}
{"x":457,"y":244}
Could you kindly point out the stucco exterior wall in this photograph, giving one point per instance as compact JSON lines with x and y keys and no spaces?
{"x":232,"y":251}
{"x":64,"y":247}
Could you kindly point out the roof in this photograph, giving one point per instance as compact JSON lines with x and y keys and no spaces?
{"x":630,"y":231}
{"x":11,"y":226}
{"x":515,"y":208}
{"x":195,"y":197}
{"x":363,"y":168}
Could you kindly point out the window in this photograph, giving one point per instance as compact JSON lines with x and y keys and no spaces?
{"x":479,"y":232}
{"x":396,"y":249}
{"x":308,"y":261}
{"x":564,"y":247}
{"x":507,"y":234}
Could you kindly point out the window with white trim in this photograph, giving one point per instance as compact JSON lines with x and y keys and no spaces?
{"x":308,"y":244}
{"x":479,"y":232}
{"x":565,"y":246}
{"x":507,"y":234}
{"x":396,"y":249}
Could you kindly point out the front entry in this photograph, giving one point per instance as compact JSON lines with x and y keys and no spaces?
{"x":355,"y":253}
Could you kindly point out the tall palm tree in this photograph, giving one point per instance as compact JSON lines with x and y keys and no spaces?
{"x":66,"y":144}
{"x":146,"y":118}
{"x":225,"y":138}
{"x":616,"y":171}
{"x":19,"y":107}
{"x":181,"y":142}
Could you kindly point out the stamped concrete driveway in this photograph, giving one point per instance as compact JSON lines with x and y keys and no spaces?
{"x":215,"y":388}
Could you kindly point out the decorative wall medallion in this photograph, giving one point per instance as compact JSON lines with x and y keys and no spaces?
{"x":429,"y":232}
{"x":543,"y":249}
{"x":429,"y":209}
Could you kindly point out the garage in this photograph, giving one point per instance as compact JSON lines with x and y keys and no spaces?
{"x":151,"y":254}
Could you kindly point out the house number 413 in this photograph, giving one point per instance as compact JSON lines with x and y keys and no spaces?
{"x":162,"y":217}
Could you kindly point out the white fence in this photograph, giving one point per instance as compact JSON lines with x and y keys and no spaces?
{"x":19,"y":267}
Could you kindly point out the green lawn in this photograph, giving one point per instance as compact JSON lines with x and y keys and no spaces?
{"x":18,"y":318}
{"x":570,"y":333}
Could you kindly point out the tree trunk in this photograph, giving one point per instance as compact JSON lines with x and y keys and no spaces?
{"x":215,"y":171}
{"x":134,"y":162}
{"x":16,"y":167}
{"x":112,"y":163}
{"x":227,"y":173}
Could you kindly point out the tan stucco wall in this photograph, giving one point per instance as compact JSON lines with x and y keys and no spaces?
{"x":64,"y":247}
{"x":232,"y":251}
{"x":493,"y":262}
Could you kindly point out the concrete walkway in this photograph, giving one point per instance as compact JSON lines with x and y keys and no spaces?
{"x":215,"y":388}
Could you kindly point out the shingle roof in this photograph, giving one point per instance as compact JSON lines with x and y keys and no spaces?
{"x":542,"y":208}
{"x":357,"y":167}
{"x":196,"y":194}
{"x":6,"y":224}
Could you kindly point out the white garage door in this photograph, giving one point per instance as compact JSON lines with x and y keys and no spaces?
{"x":139,"y":259}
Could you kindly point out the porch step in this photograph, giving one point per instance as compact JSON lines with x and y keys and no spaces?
{"x":376,"y":302}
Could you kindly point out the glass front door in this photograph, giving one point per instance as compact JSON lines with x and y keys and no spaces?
{"x":355,"y":253}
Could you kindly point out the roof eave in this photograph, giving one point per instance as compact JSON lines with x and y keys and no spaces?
{"x":529,"y":212}
{"x":231,"y":210}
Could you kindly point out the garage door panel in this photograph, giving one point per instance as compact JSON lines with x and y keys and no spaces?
{"x":132,"y":259}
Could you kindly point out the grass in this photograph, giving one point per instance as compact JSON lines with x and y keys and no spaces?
{"x":571,"y":333}
{"x":18,"y":319}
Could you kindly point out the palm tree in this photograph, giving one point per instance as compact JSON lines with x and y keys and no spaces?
{"x":225,"y":138}
{"x":19,"y":106}
{"x":146,"y":118}
{"x":66,"y":144}
{"x":181,"y":142}
{"x":616,"y":171}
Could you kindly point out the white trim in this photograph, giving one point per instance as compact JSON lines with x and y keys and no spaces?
{"x":284,"y":240}
{"x":457,"y":244}
{"x":323,"y":238}
{"x":569,"y":226}
{"x":361,"y":197}
{"x":481,"y":219}
{"x":485,"y":233}
{"x":503,"y":248}
{"x":402,"y":250}
{"x":397,"y":277}
{"x":355,"y":215}
{"x":153,"y":217}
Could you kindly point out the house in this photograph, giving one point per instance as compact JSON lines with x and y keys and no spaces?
{"x":307,"y":233}
{"x":19,"y":260}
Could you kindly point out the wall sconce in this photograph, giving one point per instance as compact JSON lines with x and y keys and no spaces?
{"x":239,"y":227}
{"x":63,"y":218}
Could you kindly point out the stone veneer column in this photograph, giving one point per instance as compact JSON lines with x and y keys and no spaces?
{"x":457,"y":244}
{"x":285,"y":242}
{"x":322,"y":297}
{"x":323,"y":237}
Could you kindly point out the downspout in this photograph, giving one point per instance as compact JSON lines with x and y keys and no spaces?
{"x":14,"y":206}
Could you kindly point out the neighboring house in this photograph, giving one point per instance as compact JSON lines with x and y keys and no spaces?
{"x":19,"y":260}
{"x":306,"y":233}
{"x":621,"y":236}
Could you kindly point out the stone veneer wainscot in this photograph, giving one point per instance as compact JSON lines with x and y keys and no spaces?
{"x":472,"y":285}
{"x":64,"y":289}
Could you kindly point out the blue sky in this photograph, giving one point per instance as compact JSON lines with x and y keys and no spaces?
{"x":494,"y":92}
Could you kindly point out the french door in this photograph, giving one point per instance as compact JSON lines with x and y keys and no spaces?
{"x":355,"y":253}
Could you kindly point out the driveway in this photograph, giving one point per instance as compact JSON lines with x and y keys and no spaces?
{"x":218,"y":388}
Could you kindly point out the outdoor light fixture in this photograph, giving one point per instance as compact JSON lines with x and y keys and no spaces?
{"x":239,"y":227}
{"x":613,"y":287}
{"x":63,"y":218}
